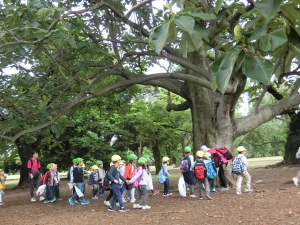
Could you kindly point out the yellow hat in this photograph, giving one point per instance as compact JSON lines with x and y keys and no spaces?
{"x":83,"y":165}
{"x":94,"y":167}
{"x":165,"y":159}
{"x":241,"y":149}
{"x":115,"y":158}
{"x":111,"y":164}
{"x":207,"y":154}
{"x":199,"y":154}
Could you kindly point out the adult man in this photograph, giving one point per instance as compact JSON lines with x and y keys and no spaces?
{"x":33,"y":166}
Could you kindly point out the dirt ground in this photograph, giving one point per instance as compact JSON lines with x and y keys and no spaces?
{"x":275,"y":200}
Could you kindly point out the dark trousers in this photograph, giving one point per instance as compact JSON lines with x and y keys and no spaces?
{"x":94,"y":190}
{"x":189,"y":177}
{"x":32,"y":182}
{"x":110,"y":195}
{"x":222,"y":178}
{"x":101,"y":189}
{"x":56,"y":191}
{"x":49,"y":192}
{"x":117,"y":195}
{"x":166,"y":186}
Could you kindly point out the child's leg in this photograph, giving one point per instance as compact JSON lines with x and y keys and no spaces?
{"x":117,"y":196}
{"x":247,"y":176}
{"x":110,"y":195}
{"x":101,"y":190}
{"x":94,"y":191}
{"x":143,"y":190}
{"x":239,"y":182}
{"x":199,"y":184}
{"x":139,"y":195}
{"x":1,"y":197}
{"x":166,"y":186}
{"x":207,"y":189}
{"x":132,"y":193}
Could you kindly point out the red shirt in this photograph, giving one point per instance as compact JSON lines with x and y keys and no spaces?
{"x":35,"y":165}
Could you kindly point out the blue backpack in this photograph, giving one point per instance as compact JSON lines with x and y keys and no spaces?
{"x":185,"y":164}
{"x":238,"y":166}
{"x":211,"y":170}
{"x":161,"y":177}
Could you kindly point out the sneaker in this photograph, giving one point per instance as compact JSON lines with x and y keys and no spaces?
{"x":71,"y":201}
{"x":95,"y":197}
{"x":59,"y":199}
{"x":146,"y":207}
{"x":124,"y":200}
{"x":169,"y":194}
{"x":106,"y":203}
{"x":42,"y":198}
{"x":123,"y":209}
{"x":209,"y":198}
{"x":52,"y":200}
{"x":46,"y":201}
{"x":137,"y":206}
{"x":296,"y":181}
{"x":155,"y":192}
{"x":118,"y":204}
{"x":201,"y":197}
{"x":248,"y":189}
{"x":193,"y":196}
{"x":84,"y":202}
{"x":224,"y":189}
{"x":132,"y":200}
{"x":77,"y":202}
{"x":102,"y":196}
{"x":111,"y":209}
{"x":33,"y":200}
{"x":238,"y":192}
{"x":213,"y":190}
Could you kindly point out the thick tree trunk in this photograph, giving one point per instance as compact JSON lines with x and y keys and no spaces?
{"x":25,"y":151}
{"x":157,"y":156}
{"x":293,"y":141}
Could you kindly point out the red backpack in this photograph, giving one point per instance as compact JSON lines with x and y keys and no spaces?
{"x":200,"y":170}
{"x":225,"y":152}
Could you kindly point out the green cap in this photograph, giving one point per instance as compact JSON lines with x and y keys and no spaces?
{"x":132,"y":156}
{"x":124,"y":161}
{"x":0,"y":170}
{"x":78,"y":160}
{"x":99,"y":162}
{"x":49,"y":165}
{"x":74,"y":161}
{"x":146,"y":156}
{"x":187,"y":149}
{"x":142,"y":161}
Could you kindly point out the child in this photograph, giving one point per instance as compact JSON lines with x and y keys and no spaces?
{"x":241,"y":150}
{"x":50,"y":183}
{"x":166,"y":162}
{"x":93,"y":181}
{"x":142,"y":183}
{"x":101,"y":175}
{"x":203,"y":180}
{"x":78,"y":182}
{"x":211,"y":181}
{"x":188,"y":176}
{"x":122,"y":171}
{"x":154,"y":192}
{"x":128,"y":175}
{"x":56,"y":187}
{"x":2,"y":187}
{"x":115,"y":176}
{"x":106,"y":201}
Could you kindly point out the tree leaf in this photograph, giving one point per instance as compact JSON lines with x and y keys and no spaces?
{"x":255,"y":68}
{"x":183,"y":45}
{"x":260,"y":31}
{"x":172,"y":33}
{"x":278,"y":37}
{"x":159,"y":37}
{"x":203,"y":16}
{"x":223,"y":67}
{"x":268,"y":8}
{"x":218,"y":5}
{"x":185,"y":23}
{"x":72,"y":42}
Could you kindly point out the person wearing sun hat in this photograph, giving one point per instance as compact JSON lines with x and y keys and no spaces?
{"x":128,"y":175}
{"x":188,"y":176}
{"x":101,"y":175}
{"x":49,"y":181}
{"x":154,"y":192}
{"x":78,"y":182}
{"x":2,"y":186}
{"x":93,"y":181}
{"x":140,"y":180}
{"x":242,"y":150}
{"x":117,"y":181}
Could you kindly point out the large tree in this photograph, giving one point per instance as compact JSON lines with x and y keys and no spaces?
{"x":66,"y":52}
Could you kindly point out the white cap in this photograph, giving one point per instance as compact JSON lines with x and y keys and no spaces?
{"x":204,"y":148}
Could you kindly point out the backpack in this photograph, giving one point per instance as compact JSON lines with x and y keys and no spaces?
{"x":161,"y":177}
{"x":185,"y":164}
{"x":225,"y":152}
{"x":91,"y":179}
{"x":211,"y":171}
{"x":238,"y":166}
{"x":69,"y":174}
{"x":136,"y":183}
{"x":200,"y":170}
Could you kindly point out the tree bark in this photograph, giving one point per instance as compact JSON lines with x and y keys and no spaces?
{"x":157,"y":156}
{"x":25,"y":151}
{"x":293,"y":141}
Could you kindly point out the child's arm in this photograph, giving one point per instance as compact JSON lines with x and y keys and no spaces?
{"x":136,"y":176}
{"x":166,"y":172}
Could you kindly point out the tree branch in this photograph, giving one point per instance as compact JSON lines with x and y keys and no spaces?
{"x":180,"y":107}
{"x":135,"y":7}
{"x":266,"y":113}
